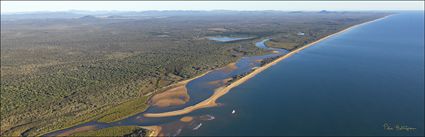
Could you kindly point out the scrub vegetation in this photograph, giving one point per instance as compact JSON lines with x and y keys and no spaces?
{"x":112,"y":131}
{"x":59,"y":72}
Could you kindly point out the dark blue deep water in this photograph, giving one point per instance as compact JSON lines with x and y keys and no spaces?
{"x":350,"y":84}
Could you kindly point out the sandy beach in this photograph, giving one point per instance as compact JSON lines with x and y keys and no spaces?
{"x":154,"y":130}
{"x":210,"y":102}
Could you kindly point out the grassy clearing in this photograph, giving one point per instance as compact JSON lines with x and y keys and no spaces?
{"x":111,"y":114}
{"x":67,"y":123}
{"x":125,"y":110}
{"x":112,"y":131}
{"x":284,"y":45}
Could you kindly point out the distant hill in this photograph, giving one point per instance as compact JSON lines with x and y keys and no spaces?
{"x":116,"y":17}
{"x":40,"y":15}
{"x":88,"y":17}
{"x":324,"y":11}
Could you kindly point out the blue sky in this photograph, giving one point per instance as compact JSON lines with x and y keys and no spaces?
{"x":27,"y":6}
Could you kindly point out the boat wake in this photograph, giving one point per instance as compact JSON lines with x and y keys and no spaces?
{"x":198,"y":126}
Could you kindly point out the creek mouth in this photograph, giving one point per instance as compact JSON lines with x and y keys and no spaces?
{"x":198,"y":89}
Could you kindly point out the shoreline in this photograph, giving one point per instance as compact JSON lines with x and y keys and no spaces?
{"x":211,"y":101}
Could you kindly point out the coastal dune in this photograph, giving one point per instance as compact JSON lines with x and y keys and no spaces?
{"x":211,"y":102}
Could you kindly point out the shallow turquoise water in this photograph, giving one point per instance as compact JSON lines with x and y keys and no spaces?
{"x":350,"y":84}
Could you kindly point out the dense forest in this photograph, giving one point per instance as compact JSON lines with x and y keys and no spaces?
{"x":57,"y":72}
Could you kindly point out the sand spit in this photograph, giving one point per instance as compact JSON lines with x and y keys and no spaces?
{"x":186,"y":119}
{"x":220,"y":81}
{"x":211,"y":102}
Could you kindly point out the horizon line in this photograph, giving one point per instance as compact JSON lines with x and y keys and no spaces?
{"x":75,"y":10}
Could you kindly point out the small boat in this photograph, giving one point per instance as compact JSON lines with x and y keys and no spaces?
{"x":233,"y":112}
{"x":177,"y":132}
{"x":210,"y":117}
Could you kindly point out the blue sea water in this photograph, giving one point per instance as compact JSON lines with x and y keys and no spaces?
{"x":351,"y":84}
